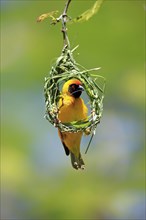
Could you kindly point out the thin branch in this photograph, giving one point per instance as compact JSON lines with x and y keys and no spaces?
{"x":66,"y":6}
{"x":89,"y":143}
{"x":64,"y":20}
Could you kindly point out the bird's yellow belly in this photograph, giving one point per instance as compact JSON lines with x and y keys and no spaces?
{"x":72,"y":141}
{"x":73,"y":112}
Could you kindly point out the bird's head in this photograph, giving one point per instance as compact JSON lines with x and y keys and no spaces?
{"x":73,"y":87}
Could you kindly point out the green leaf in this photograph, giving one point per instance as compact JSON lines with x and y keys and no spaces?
{"x":48,"y":15}
{"x":78,"y":124}
{"x":85,"y":16}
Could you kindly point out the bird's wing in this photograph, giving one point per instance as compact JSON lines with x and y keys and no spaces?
{"x":65,"y":147}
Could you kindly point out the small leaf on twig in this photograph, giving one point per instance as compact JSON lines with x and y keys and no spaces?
{"x":46,"y":15}
{"x":85,"y":16}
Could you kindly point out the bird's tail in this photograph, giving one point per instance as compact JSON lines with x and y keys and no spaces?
{"x":77,"y":162}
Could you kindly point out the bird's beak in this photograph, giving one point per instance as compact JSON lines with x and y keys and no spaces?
{"x":80,"y":88}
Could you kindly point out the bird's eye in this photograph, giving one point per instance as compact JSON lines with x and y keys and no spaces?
{"x":72,"y":87}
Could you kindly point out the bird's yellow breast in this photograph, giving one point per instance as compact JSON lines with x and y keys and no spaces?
{"x":72,"y":109}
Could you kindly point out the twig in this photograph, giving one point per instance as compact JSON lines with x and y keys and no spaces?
{"x":89,"y":143}
{"x":64,"y":20}
{"x":66,"y":6}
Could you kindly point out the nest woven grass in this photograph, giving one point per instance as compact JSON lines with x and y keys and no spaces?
{"x":64,"y":69}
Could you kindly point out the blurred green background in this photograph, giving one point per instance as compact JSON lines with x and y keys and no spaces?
{"x":37,"y":180}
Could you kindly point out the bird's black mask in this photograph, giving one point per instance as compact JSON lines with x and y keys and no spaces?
{"x":75,"y":90}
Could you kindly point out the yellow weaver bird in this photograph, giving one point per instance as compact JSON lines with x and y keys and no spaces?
{"x":72,"y":108}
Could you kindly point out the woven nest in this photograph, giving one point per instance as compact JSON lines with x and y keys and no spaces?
{"x":66,"y":68}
